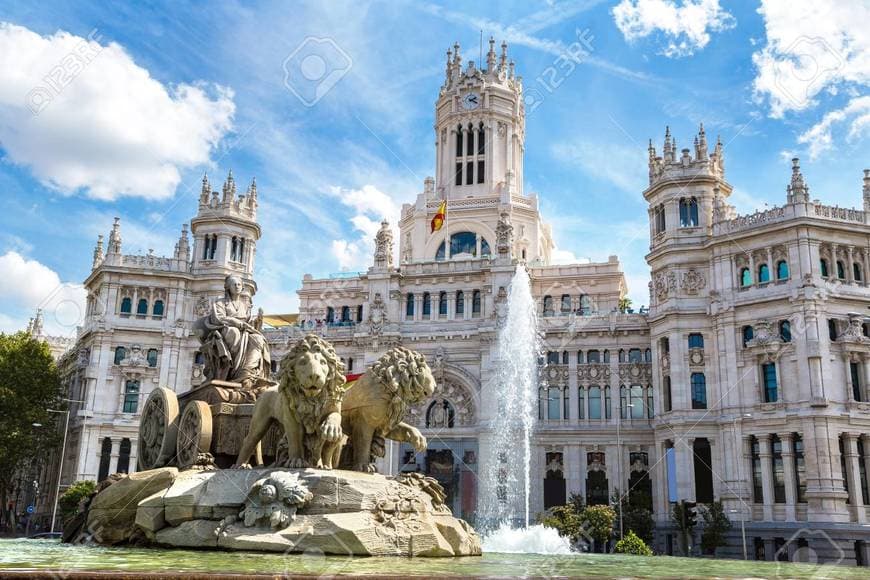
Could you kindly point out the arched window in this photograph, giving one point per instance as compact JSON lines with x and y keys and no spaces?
{"x":409,"y":305}
{"x":345,"y":313}
{"x":440,"y":414}
{"x":621,"y":355}
{"x":579,"y":357}
{"x":460,"y":302}
{"x":666,"y":393}
{"x":198,"y":358}
{"x":647,"y":355}
{"x":823,"y":267}
{"x":152,"y":357}
{"x":782,"y":270}
{"x":585,"y":305}
{"x":699,"y":391}
{"x":142,"y":307}
{"x":350,"y":364}
{"x":548,"y":306}
{"x":748,"y":334}
{"x":127,"y":305}
{"x":581,"y":402}
{"x":659,"y":216}
{"x":124,"y":456}
{"x":768,"y":375}
{"x":463,"y":243}
{"x":120,"y":354}
{"x":841,"y":270}
{"x":595,"y":402}
{"x":234,"y":249}
{"x":564,"y":357}
{"x":459,"y":143}
{"x":442,"y":304}
{"x":785,"y":331}
{"x":566,"y":304}
{"x":607,"y":403}
{"x":158,"y":308}
{"x":858,"y":272}
{"x":131,"y":396}
{"x":359,"y":313}
{"x":481,"y":139}
{"x":552,"y":357}
{"x":105,"y":458}
{"x":745,"y":277}
{"x":330,"y":314}
{"x":475,"y":303}
{"x":688,"y":213}
{"x":832,"y":329}
{"x":763,"y":274}
{"x":606,"y":357}
{"x":427,"y":304}
{"x":593,"y":356}
{"x":469,"y":140}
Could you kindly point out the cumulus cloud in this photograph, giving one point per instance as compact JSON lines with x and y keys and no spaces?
{"x":26,"y":285}
{"x":854,"y":119}
{"x":682,"y":27}
{"x":84,"y":117}
{"x":811,"y":46}
{"x":370,"y":206}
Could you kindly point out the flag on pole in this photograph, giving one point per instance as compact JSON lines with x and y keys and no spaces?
{"x":439,"y":218}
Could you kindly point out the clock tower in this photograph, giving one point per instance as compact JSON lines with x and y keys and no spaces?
{"x":479,"y":127}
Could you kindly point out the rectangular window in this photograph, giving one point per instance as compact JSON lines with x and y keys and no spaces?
{"x":595,"y":402}
{"x":458,"y":176}
{"x":666,"y":393}
{"x":131,"y":397}
{"x":469,"y":141}
{"x":581,"y":403}
{"x":607,"y":405}
{"x":757,"y":493}
{"x":699,"y":391}
{"x":637,"y":406}
{"x":635,"y":355}
{"x":696,"y":340}
{"x":854,"y":372}
{"x":481,"y":141}
{"x":593,"y":357}
{"x":771,"y":393}
{"x":480,"y":172}
{"x":800,"y":470}
{"x":469,"y":173}
{"x":554,"y":401}
{"x":778,"y":471}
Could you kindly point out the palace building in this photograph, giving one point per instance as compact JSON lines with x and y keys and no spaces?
{"x":747,"y":380}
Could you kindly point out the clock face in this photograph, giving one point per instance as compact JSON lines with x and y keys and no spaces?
{"x":471,"y":101}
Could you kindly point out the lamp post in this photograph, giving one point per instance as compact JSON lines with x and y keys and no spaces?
{"x":742,"y":480}
{"x":619,"y":461}
{"x":62,"y":455}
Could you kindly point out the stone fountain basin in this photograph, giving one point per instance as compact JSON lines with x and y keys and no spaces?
{"x":351,"y":514}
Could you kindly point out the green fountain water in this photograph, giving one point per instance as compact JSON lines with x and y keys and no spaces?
{"x":52,"y":555}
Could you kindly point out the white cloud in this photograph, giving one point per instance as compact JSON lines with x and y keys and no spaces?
{"x":855,"y":116}
{"x":619,"y":165}
{"x":84,"y":116}
{"x":371,"y":206}
{"x":685,"y":27}
{"x":565,"y":257}
{"x":811,"y":46}
{"x":26,"y":285}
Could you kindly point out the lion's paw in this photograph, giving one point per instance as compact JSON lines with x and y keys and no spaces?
{"x":241,"y":466}
{"x":366,"y":468}
{"x":296,"y":463}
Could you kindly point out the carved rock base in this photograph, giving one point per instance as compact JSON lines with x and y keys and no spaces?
{"x":350,"y":514}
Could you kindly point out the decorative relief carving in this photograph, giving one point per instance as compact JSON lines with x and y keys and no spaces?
{"x":692,"y":281}
{"x":664,"y":284}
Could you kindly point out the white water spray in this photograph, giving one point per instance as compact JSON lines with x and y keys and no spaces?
{"x":505,"y":484}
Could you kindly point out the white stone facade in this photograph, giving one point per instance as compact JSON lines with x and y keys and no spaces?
{"x":680,"y":401}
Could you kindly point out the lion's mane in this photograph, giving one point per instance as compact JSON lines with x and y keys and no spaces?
{"x":310,"y":409}
{"x":400,"y":371}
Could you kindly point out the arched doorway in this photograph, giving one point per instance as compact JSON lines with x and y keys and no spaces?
{"x":554,"y":481}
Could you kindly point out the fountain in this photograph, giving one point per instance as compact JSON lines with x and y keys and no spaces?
{"x":506,"y":482}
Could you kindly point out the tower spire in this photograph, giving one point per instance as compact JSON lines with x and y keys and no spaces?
{"x":490,"y":56}
{"x":98,"y":252}
{"x":206,"y":190}
{"x":115,"y":237}
{"x":798,"y":191}
{"x":502,"y":63}
{"x":866,"y":190}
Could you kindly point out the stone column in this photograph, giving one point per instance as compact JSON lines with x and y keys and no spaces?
{"x":788,"y":471}
{"x":573,"y":403}
{"x":469,"y":299}
{"x":116,"y":449}
{"x":766,"y":475}
{"x":745,"y":471}
{"x":572,"y":468}
{"x":685,"y":460}
{"x":771,"y":269}
{"x":451,"y":305}
{"x":769,"y":550}
{"x":582,"y":467}
{"x":853,"y":473}
{"x":850,"y":278}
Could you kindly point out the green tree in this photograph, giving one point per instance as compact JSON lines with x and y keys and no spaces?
{"x":598,"y":522}
{"x":716,"y":526}
{"x":632,"y":544}
{"x":29,"y":386}
{"x":72,"y":497}
{"x":636,"y":513}
{"x":565,"y":520}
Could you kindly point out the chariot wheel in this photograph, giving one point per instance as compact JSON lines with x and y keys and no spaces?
{"x":158,"y":427}
{"x":194,"y":433}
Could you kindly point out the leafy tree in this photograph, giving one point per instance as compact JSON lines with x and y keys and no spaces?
{"x":565,"y":520}
{"x":74,"y":494}
{"x":632,"y":544}
{"x":598,"y":522}
{"x":637,"y":514}
{"x":29,"y":386}
{"x":716,"y":526}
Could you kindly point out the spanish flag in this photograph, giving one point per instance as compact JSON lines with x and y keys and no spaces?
{"x":439,"y":218}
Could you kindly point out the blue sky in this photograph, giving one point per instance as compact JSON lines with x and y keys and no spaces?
{"x":168,"y":91}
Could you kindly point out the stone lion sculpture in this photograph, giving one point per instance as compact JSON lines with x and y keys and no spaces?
{"x":307,"y":403}
{"x":374,"y":406}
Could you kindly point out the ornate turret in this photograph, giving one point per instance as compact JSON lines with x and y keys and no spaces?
{"x":229,"y":189}
{"x":98,"y":252}
{"x":205,"y":192}
{"x":866,"y":190}
{"x":115,"y":238}
{"x":798,"y":191}
{"x":669,"y":166}
{"x":182,"y":247}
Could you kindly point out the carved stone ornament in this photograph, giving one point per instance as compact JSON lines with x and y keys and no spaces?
{"x":664,"y":284}
{"x":501,"y":306}
{"x":377,"y":315}
{"x":458,"y":399}
{"x":692,"y":281}
{"x":593,"y":372}
{"x":854,"y":331}
{"x":635,"y":370}
{"x":504,"y":234}
{"x":764,"y":334}
{"x":384,"y":246}
{"x":696,"y":357}
{"x":274,"y":500}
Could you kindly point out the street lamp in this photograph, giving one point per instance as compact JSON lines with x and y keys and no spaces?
{"x":62,"y":454}
{"x":742,"y":480}
{"x":619,"y":461}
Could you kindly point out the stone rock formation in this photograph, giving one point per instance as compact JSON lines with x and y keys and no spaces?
{"x":333,"y":512}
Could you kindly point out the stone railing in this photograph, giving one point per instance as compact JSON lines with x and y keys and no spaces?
{"x":791,"y":211}
{"x":845,"y":214}
{"x":759,"y":218}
